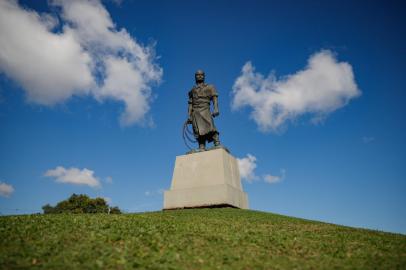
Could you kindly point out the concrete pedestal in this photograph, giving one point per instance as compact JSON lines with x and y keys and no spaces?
{"x":206,"y":179}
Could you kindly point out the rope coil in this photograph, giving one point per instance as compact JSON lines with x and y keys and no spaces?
{"x":188,"y":136}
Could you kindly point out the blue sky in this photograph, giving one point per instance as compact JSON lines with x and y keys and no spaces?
{"x":112,"y":99}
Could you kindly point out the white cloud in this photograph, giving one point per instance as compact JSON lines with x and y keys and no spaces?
{"x":271,"y":179}
{"x":125,"y":83}
{"x":89,"y":56}
{"x":74,"y":176}
{"x":247,"y":167}
{"x":322,"y":87}
{"x":50,"y":67}
{"x":6,"y":190}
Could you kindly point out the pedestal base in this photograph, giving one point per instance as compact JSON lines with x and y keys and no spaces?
{"x":206,"y":179}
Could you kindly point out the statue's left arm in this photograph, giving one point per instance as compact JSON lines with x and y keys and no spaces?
{"x":214,"y":94}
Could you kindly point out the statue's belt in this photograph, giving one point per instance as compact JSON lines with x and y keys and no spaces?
{"x":201,"y":105}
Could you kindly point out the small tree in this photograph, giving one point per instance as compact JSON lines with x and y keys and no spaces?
{"x":81,"y":203}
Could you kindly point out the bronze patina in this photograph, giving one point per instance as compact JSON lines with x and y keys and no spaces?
{"x":200,"y":116}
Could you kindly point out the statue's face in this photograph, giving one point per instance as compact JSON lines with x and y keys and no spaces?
{"x":199,"y":76}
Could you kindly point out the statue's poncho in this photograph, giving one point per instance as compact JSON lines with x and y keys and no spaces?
{"x":202,"y":120}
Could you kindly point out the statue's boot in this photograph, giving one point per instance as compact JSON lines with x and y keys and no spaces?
{"x":201,"y":148}
{"x":202,"y":145}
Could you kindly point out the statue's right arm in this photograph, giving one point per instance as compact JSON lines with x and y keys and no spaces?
{"x":189,"y":113}
{"x":190,"y":108}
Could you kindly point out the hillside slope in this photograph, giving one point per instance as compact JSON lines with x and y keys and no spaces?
{"x":193,"y":239}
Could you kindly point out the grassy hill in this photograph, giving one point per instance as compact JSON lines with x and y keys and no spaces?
{"x":193,"y":239}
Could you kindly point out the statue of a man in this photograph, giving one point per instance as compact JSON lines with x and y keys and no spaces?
{"x":200,"y":115}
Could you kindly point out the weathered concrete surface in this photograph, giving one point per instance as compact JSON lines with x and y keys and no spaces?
{"x":209,"y":178}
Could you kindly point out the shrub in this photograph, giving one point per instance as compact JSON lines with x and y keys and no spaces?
{"x":79,"y":204}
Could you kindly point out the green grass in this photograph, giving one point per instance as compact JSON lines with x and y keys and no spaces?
{"x":193,"y":239}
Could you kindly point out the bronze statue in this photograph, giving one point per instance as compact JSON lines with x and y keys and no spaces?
{"x":200,"y":115}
